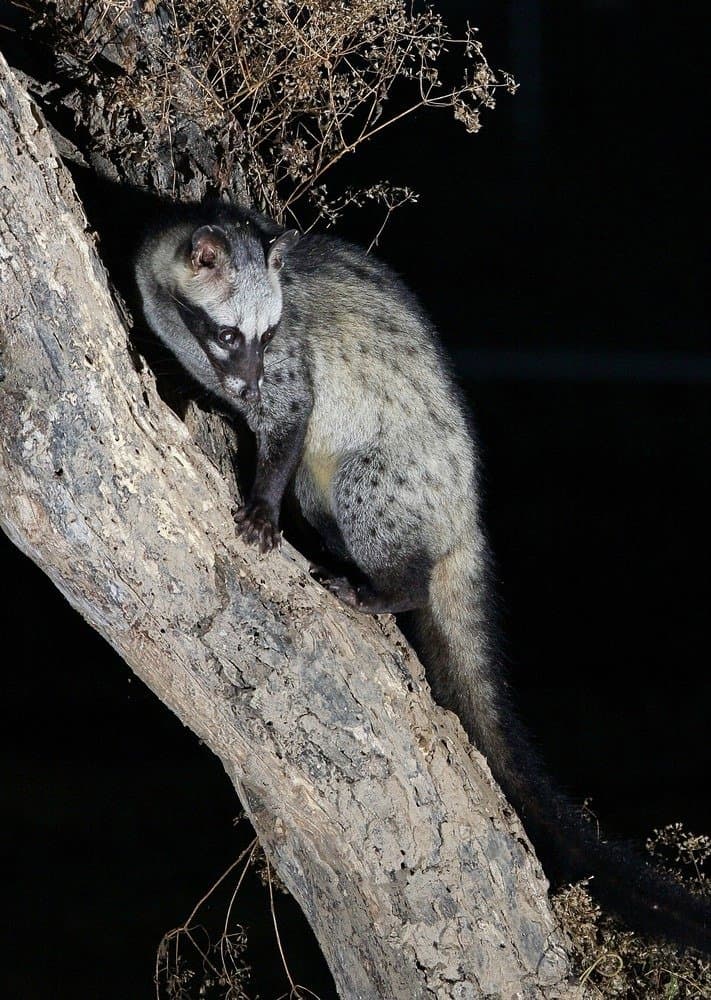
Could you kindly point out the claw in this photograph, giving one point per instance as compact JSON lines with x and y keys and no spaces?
{"x":255,"y":524}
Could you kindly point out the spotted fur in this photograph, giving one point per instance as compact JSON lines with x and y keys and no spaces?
{"x":356,"y":409}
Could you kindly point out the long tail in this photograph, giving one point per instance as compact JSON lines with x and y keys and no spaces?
{"x":453,"y":639}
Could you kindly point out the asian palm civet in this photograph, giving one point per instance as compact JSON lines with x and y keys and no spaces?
{"x":339,"y":373}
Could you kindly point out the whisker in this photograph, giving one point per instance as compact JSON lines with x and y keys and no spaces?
{"x":278,"y":364}
{"x":181,"y":303}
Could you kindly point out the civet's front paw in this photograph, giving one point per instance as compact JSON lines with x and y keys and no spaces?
{"x":256,"y":524}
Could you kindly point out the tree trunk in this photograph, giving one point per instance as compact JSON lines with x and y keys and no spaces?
{"x":382,"y":820}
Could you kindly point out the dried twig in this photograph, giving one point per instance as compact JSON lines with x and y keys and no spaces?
{"x":285,"y":90}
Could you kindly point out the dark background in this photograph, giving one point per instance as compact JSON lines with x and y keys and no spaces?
{"x":561,"y":253}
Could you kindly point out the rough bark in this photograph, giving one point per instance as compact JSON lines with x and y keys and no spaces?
{"x":381,"y":819}
{"x":96,"y":46}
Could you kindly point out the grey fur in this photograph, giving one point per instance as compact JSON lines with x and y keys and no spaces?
{"x":386,"y":468}
{"x":357,"y":410}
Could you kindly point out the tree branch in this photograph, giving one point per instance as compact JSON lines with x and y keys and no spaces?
{"x":381,"y":819}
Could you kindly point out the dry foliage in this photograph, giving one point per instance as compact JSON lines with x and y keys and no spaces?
{"x":285,"y":89}
{"x":616,"y":963}
{"x":683,"y":855}
{"x":195,"y":961}
{"x":191,"y":961}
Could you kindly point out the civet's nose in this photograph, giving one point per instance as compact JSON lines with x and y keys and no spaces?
{"x":250,"y":393}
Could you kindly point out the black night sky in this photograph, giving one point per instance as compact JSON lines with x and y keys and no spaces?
{"x":560,"y":251}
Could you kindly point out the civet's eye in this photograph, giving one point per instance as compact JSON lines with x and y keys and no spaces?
{"x":268,"y":334}
{"x":227,"y":336}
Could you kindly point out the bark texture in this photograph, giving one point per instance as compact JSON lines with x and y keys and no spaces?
{"x":97,"y":46}
{"x":381,"y":819}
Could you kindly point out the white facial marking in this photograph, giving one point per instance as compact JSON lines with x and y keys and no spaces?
{"x":219,"y":353}
{"x":249,"y":325}
{"x":241,"y":293}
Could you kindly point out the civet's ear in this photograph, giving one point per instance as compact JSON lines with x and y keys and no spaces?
{"x":208,"y":245}
{"x":280,"y":248}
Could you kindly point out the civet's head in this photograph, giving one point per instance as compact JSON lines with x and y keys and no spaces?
{"x":227,"y":284}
